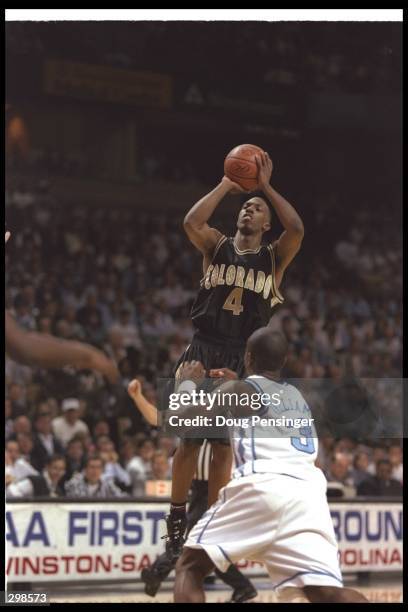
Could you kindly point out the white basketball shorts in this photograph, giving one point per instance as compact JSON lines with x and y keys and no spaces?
{"x":279,"y":520}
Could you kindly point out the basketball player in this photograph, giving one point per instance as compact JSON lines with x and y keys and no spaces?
{"x":46,"y":351}
{"x":237,"y":295}
{"x":275,"y":508}
{"x":243,"y":589}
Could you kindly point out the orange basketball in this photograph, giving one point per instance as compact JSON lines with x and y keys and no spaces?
{"x":240,"y":166}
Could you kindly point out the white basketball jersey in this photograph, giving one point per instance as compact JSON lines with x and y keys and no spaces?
{"x":286,"y":443}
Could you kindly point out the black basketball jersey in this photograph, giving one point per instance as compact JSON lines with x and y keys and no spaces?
{"x":238,"y":292}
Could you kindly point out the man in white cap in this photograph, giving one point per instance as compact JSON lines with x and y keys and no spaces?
{"x":69,"y":424}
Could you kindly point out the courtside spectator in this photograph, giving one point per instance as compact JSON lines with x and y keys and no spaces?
{"x":69,"y":424}
{"x":47,"y":484}
{"x":90,"y":482}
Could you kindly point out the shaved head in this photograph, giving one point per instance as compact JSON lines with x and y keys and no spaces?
{"x":266,"y":350}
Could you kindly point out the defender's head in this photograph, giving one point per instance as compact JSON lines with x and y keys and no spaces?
{"x":254,"y":216}
{"x":266,"y":351}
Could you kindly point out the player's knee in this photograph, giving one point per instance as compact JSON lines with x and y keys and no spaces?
{"x":322,"y":594}
{"x":194,"y":560}
{"x":329,"y":594}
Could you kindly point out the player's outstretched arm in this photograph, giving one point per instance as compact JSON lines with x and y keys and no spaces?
{"x":149,"y":412}
{"x":204,"y":237}
{"x":291,"y":238}
{"x":33,"y":348}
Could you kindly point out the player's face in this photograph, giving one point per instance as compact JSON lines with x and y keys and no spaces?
{"x":254,"y":217}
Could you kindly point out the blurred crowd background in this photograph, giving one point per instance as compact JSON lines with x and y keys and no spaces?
{"x":96,"y":191}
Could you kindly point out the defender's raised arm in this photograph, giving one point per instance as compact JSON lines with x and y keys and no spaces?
{"x":36,"y":349}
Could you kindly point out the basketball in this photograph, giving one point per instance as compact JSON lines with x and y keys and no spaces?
{"x":240,"y":166}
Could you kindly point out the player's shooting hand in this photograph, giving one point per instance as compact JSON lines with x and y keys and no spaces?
{"x":265,"y":168}
{"x":135,"y":388}
{"x":192,"y":370}
{"x":232,"y":187}
{"x":224,"y":373}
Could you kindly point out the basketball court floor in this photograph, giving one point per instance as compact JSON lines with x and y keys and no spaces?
{"x":377,"y":588}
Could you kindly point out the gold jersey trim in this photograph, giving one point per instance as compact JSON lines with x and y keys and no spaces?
{"x":217,"y":248}
{"x":246,"y":251}
{"x":271,"y":248}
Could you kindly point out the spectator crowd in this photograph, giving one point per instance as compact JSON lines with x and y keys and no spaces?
{"x":124,"y":280}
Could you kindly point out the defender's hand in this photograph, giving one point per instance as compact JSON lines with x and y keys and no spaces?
{"x":192,"y":370}
{"x":265,"y":167}
{"x":99,"y":361}
{"x":135,"y":388}
{"x":232,"y":187}
{"x":224,"y":373}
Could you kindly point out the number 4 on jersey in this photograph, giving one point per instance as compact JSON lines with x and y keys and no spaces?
{"x":234,"y":301}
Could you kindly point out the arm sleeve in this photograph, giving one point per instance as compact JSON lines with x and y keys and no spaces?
{"x":23,"y":488}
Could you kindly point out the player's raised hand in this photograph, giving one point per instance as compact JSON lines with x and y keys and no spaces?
{"x":135,"y":388}
{"x":232,"y":187}
{"x":8,"y":234}
{"x":224,"y":373}
{"x":192,"y":370}
{"x":265,"y":168}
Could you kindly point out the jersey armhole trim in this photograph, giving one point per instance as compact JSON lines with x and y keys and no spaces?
{"x":253,"y":384}
{"x":277,"y":293}
{"x":219,"y":244}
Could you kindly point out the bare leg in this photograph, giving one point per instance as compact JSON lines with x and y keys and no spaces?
{"x":321,"y":594}
{"x":220,"y":470}
{"x":191,"y":569}
{"x":184,"y":466}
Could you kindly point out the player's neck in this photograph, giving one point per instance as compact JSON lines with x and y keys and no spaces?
{"x":244,"y":242}
{"x":272,"y":375}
